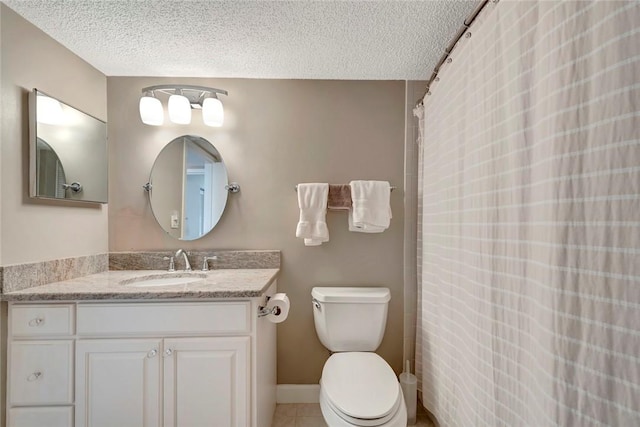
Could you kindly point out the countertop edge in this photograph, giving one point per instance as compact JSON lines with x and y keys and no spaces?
{"x":21,"y":296}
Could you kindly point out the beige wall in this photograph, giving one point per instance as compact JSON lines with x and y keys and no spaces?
{"x":3,"y":361}
{"x":33,"y":230}
{"x":3,"y":317}
{"x":2,"y":105}
{"x":278,"y":133}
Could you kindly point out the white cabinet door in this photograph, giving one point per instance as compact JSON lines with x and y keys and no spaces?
{"x":118,"y":383}
{"x":206,"y":382}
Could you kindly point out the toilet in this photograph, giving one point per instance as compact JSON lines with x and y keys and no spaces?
{"x":358,"y":387}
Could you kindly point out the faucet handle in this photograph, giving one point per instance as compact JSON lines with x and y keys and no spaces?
{"x":205,"y":262}
{"x":172,"y":263}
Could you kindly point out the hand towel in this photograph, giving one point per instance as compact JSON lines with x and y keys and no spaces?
{"x":339,"y":196}
{"x":312,"y":200}
{"x":371,"y":211}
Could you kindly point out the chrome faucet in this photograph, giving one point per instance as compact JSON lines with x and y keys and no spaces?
{"x":187,"y":265}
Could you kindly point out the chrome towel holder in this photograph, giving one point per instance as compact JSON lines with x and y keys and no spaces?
{"x":393,"y":187}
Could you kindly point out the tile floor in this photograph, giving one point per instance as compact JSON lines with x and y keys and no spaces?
{"x":298,"y":415}
{"x":309,"y":415}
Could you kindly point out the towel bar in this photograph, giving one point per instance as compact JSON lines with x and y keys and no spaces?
{"x":393,"y":187}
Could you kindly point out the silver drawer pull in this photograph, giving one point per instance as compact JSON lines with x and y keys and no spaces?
{"x":35,"y":376}
{"x":38,"y":321}
{"x":168,"y":352}
{"x":152,"y":353}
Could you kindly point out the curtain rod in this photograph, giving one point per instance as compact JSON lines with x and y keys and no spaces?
{"x":465,"y":25}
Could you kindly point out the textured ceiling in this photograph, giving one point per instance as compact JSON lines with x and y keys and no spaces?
{"x":255,"y":39}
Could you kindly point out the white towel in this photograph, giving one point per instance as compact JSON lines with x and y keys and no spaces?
{"x":312,"y":200}
{"x":371,"y":210}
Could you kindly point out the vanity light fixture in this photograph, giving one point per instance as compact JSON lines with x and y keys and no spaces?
{"x":212,"y":112}
{"x":179,"y":108}
{"x":182,"y":99}
{"x":151,"y":110}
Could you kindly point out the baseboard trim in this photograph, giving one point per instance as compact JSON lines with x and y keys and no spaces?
{"x":298,"y":393}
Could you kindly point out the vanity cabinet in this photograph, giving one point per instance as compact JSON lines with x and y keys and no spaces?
{"x":40,"y":358}
{"x":118,"y":383}
{"x":205,"y":382}
{"x":141,"y":364}
{"x":51,"y":416}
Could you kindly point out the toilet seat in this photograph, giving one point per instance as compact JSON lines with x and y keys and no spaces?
{"x":361,"y":388}
{"x":362,"y":422}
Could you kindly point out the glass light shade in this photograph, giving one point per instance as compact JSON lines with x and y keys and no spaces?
{"x":151,"y":111}
{"x":48,"y":110}
{"x":212,"y":112}
{"x":179,"y":109}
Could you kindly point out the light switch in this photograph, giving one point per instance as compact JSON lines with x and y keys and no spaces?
{"x":175,"y":223}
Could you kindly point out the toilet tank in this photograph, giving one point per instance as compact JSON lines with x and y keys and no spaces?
{"x":350,"y":319}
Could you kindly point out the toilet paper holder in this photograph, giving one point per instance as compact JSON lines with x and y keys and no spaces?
{"x":263,"y":310}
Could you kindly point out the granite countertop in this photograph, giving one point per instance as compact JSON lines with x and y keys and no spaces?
{"x":118,"y":285}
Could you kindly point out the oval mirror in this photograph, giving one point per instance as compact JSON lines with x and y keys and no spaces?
{"x":187,"y":191}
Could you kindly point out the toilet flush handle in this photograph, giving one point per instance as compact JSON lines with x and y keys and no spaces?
{"x":316,"y":304}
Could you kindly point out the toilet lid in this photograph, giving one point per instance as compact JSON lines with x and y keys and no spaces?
{"x":360,"y":385}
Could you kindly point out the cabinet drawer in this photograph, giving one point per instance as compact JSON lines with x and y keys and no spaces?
{"x":40,"y":373}
{"x":31,"y":320}
{"x":211,"y":318}
{"x":57,"y":416}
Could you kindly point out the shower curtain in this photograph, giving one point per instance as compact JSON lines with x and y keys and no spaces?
{"x":529,"y":295}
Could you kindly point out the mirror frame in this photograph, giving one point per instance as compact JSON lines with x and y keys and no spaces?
{"x":33,"y":150}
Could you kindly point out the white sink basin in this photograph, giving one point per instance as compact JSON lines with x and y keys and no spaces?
{"x":164,"y":280}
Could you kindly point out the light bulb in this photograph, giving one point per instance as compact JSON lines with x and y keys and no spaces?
{"x":151,"y":111}
{"x":212,"y":112}
{"x":179,"y":109}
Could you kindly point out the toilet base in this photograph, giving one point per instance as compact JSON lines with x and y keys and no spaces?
{"x":334,"y":420}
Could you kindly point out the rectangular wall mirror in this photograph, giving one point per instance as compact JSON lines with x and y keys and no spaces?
{"x":68,"y":152}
